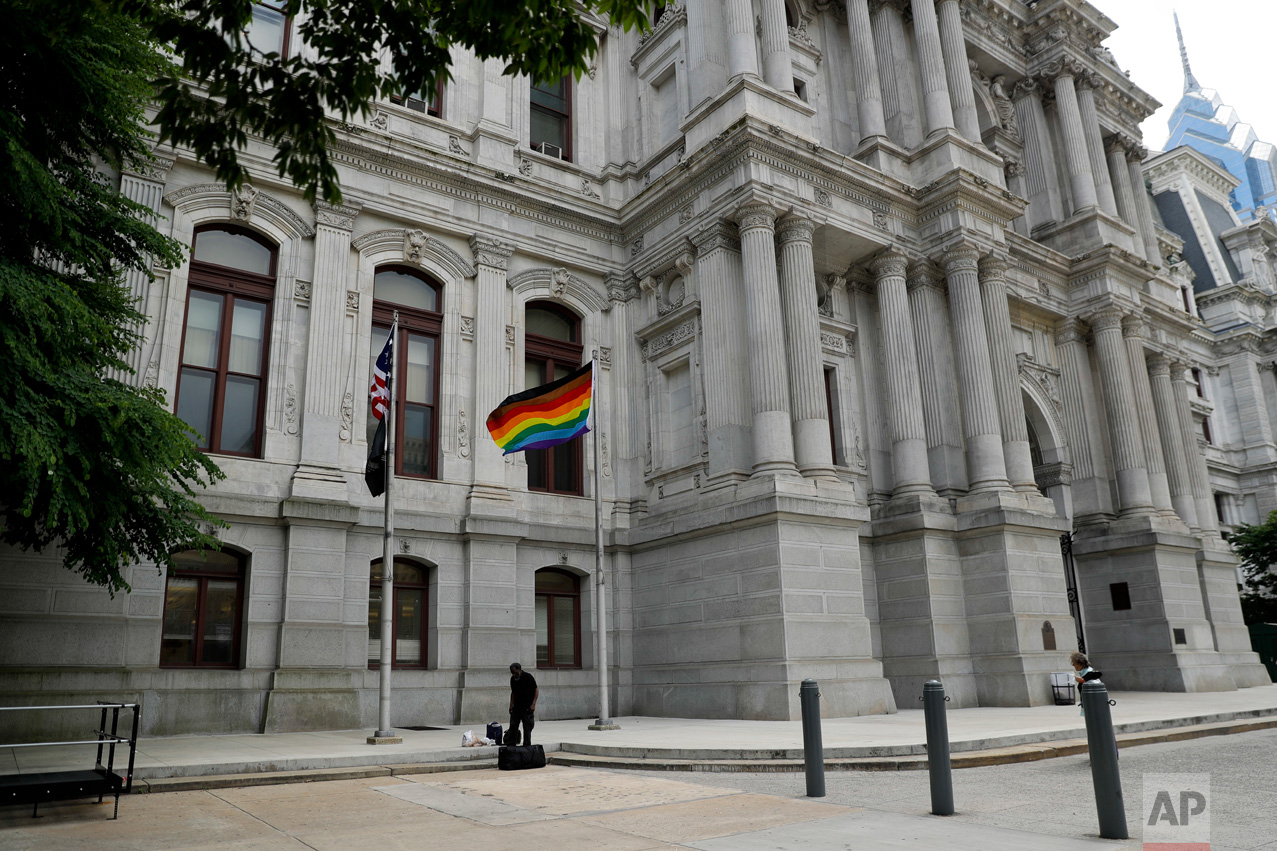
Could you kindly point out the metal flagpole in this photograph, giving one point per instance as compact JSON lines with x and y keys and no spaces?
{"x":600,"y":581}
{"x":384,"y":729}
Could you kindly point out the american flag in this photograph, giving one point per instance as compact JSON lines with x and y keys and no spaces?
{"x":379,"y":393}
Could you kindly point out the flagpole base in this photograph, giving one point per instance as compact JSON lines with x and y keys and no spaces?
{"x":604,"y":724}
{"x":385,"y":737}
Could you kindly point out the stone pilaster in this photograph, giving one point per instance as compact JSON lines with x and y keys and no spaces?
{"x":1090,"y":487}
{"x":1124,"y":430}
{"x":706,"y":57}
{"x":865,"y":70}
{"x":935,"y":84}
{"x":145,"y":187}
{"x":773,"y":431}
{"x":939,"y":381}
{"x":490,"y":259}
{"x":742,"y":55}
{"x":957,"y":69}
{"x":325,"y":370}
{"x":1094,"y":143}
{"x":1143,"y":208}
{"x":1123,"y":194}
{"x":986,"y":467}
{"x":1076,"y":155}
{"x":1150,"y":434}
{"x":1006,"y":373}
{"x":1179,"y":476}
{"x":812,"y":449}
{"x":1199,"y":477}
{"x":778,"y":68}
{"x":899,"y":104}
{"x":910,"y":471}
{"x":727,"y":407}
{"x":1040,"y":185}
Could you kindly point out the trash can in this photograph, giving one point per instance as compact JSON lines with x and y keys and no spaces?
{"x":1062,"y":689}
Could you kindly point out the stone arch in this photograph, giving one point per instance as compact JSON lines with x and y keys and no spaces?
{"x":247,"y":205}
{"x":558,"y":285}
{"x":1052,"y":465}
{"x":986,"y":111}
{"x":415,"y":248}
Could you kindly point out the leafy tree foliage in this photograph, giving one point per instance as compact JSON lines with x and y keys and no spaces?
{"x":230,"y":89}
{"x":1257,"y":548}
{"x":87,"y":463}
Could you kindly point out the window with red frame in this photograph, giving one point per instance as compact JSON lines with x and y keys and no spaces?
{"x":418,"y":299}
{"x":203,"y":605}
{"x":225,"y":338}
{"x":558,"y":619}
{"x":552,"y":350}
{"x":430,"y":102}
{"x":270,"y":29}
{"x":551,"y":119}
{"x":412,"y":596}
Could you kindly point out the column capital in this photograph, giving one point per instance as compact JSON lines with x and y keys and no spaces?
{"x":993,"y":267}
{"x":924,"y":273}
{"x":1024,"y":88}
{"x":1135,"y":154}
{"x":890,"y":262}
{"x":1158,"y":364}
{"x":1062,"y":68}
{"x":756,"y":214}
{"x":720,"y":234}
{"x":962,"y":257}
{"x":1133,"y":325}
{"x":621,"y":287}
{"x":1108,"y":318}
{"x":490,"y":252}
{"x":794,"y":227}
{"x":339,"y":216}
{"x":1178,"y":370}
{"x":1069,"y":330}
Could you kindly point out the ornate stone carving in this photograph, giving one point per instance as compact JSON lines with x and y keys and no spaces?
{"x":1047,"y":378}
{"x":405,"y":546}
{"x":347,"y":417}
{"x":718,"y":235}
{"x":1051,"y":475}
{"x":1132,"y":325}
{"x":152,"y":377}
{"x":684,"y":263}
{"x":243,"y":200}
{"x":467,"y":327}
{"x":962,"y":258}
{"x":823,"y":198}
{"x":301,"y":290}
{"x":352,"y":300}
{"x":622,"y":288}
{"x":604,"y":355}
{"x":509,"y":335}
{"x":290,"y":409}
{"x":1102,"y":320}
{"x":490,"y":252}
{"x":756,"y":216}
{"x":792,"y":228}
{"x":605,"y":457}
{"x":559,"y":282}
{"x":380,"y":121}
{"x":414,"y":243}
{"x":341,"y":216}
{"x":156,"y":169}
{"x":525,"y":166}
{"x":1002,"y":103}
{"x":454,"y":146}
{"x":588,"y":190}
{"x":636,"y":247}
{"x":835,"y":343}
{"x":463,"y":433}
{"x":669,"y":339}
{"x":880,"y":220}
{"x":563,"y":557}
{"x":685,"y":215}
{"x":889,"y":263}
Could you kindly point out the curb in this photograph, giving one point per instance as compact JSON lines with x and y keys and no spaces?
{"x":279,"y":778}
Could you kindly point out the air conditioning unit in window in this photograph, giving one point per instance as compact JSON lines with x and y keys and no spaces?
{"x":548,"y":149}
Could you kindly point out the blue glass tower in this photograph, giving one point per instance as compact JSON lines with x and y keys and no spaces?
{"x":1203,"y":122}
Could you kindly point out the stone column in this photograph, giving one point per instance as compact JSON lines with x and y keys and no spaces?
{"x":773,"y":431}
{"x":321,"y":423}
{"x":1095,"y":143}
{"x":1124,"y":430}
{"x":1179,"y":476}
{"x":145,"y":186}
{"x":1150,"y":434}
{"x":1122,"y":193}
{"x":778,"y":68}
{"x":899,"y":104}
{"x":1199,"y":476}
{"x":935,"y":85}
{"x":939,"y":382}
{"x":865,"y":67}
{"x":1090,"y":487}
{"x":1041,"y":188}
{"x":727,"y":408}
{"x":1143,"y":210}
{"x":812,"y":450}
{"x":910,"y":470}
{"x":986,"y":467}
{"x":958,"y":70}
{"x":490,"y":258}
{"x":1006,"y":373}
{"x":1076,"y":155}
{"x":742,"y":56}
{"x":705,"y":54}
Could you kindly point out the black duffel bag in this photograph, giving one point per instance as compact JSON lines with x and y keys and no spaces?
{"x":521,"y":757}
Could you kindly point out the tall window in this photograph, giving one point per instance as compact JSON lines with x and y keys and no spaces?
{"x":558,"y":619}
{"x":411,"y":598}
{"x":551,"y":131}
{"x":417,"y":298}
{"x":203,"y":602}
{"x":429,"y":101}
{"x":552,"y":350}
{"x":219,"y":389}
{"x":834,"y":412}
{"x":268,"y":31}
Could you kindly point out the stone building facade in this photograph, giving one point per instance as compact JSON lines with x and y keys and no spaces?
{"x":880,"y":311}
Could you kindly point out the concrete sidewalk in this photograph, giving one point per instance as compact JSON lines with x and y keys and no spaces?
{"x":995,"y":734}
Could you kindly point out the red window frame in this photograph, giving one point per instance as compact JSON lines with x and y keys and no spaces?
{"x":433,"y":107}
{"x":397,"y":585}
{"x":423,"y":323}
{"x":281,"y":7}
{"x":566,"y":117}
{"x":232,"y":284}
{"x":551,"y":353}
{"x":203,"y":576}
{"x":574,"y":597}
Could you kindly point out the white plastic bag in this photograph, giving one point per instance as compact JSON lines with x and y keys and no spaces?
{"x":467,"y":739}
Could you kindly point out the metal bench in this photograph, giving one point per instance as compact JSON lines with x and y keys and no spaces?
{"x":45,"y":786}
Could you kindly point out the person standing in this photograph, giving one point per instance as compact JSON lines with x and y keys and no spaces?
{"x":523,"y":703}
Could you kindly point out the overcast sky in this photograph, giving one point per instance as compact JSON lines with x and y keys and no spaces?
{"x":1230,"y":46}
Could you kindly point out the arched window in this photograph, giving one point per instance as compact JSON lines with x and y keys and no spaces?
{"x":558,"y":597}
{"x":552,"y":350}
{"x":203,"y":605}
{"x":411,"y":599}
{"x":417,"y":297}
{"x":225,"y":339}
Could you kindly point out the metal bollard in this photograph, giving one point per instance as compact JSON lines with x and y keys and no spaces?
{"x":813,"y":749}
{"x":941,"y":770}
{"x":1102,"y":744}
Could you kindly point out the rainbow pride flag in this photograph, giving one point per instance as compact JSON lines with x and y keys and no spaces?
{"x":544,"y":416}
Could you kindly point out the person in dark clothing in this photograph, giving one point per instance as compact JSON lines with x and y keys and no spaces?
{"x":523,"y":702}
